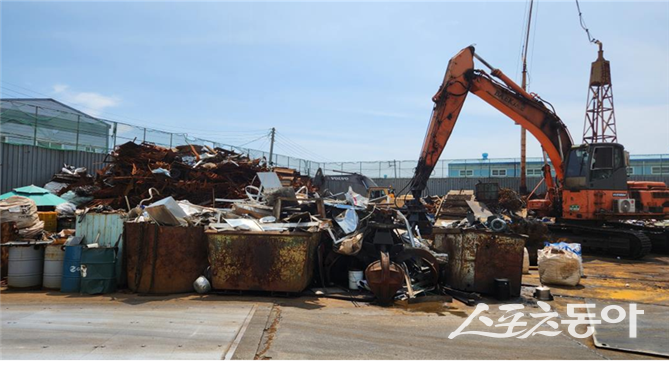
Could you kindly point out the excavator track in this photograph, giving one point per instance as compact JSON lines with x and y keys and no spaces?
{"x":659,"y":236}
{"x":623,"y":242}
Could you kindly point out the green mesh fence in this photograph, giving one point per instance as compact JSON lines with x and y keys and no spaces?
{"x":34,"y":124}
{"x":47,"y":123}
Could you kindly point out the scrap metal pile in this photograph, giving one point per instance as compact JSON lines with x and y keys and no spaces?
{"x":69,"y":176}
{"x":194,"y":173}
{"x":191,"y":172}
{"x":378,"y":242}
{"x":355,"y":232}
{"x":367,"y":246}
{"x":501,"y":211}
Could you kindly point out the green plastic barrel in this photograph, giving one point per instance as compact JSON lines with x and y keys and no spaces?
{"x":98,"y":274}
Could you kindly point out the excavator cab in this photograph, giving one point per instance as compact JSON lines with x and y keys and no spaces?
{"x":595,"y":183}
{"x":598,"y":166}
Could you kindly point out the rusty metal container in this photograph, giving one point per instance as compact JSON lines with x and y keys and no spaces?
{"x":477,"y":258}
{"x":163,"y":260}
{"x":50,"y":220}
{"x":262,"y":261}
{"x":8,"y":233}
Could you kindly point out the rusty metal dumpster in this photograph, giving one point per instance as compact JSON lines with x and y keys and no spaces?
{"x":262,"y":261}
{"x":161,"y":259}
{"x":476,"y":258}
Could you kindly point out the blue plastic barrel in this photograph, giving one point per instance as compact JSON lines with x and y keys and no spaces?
{"x":71,"y":282}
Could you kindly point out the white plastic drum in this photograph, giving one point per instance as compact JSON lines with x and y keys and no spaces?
{"x":353,"y":277}
{"x":53,"y":266}
{"x":25,"y":266}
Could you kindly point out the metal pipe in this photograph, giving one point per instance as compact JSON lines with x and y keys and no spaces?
{"x":523,"y":131}
{"x":479,"y":58}
{"x":499,"y":74}
{"x":406,"y":222}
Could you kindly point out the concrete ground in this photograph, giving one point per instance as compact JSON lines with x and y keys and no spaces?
{"x":55,"y":326}
{"x":51,"y":325}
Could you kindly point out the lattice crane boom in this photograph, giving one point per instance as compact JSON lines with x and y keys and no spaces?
{"x":600,"y":118}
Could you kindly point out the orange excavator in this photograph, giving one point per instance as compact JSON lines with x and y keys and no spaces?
{"x":590,"y":196}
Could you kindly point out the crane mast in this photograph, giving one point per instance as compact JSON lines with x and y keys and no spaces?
{"x":600,"y":117}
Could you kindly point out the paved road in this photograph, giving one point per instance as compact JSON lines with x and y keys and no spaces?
{"x":116,"y":330}
{"x":39,"y":325}
{"x":342,"y":331}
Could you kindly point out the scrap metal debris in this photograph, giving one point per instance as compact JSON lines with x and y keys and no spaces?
{"x":198,"y":174}
{"x":224,"y":192}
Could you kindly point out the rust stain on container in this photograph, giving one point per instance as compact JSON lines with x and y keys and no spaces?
{"x":257,"y":261}
{"x":477,"y":258}
{"x":8,"y":233}
{"x":164,"y":259}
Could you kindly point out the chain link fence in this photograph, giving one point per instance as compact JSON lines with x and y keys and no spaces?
{"x":49,"y":124}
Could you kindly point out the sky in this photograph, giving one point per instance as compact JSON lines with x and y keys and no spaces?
{"x":339,"y":81}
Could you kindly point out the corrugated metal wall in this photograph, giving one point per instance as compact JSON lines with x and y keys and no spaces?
{"x":441,"y":186}
{"x":24,"y":165}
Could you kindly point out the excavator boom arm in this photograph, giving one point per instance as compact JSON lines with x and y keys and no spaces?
{"x":460,"y":79}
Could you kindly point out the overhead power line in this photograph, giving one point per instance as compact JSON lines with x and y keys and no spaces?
{"x":291,"y":142}
{"x":290,"y":151}
{"x":254,"y":140}
{"x":106,"y":115}
{"x":16,"y":92}
{"x":297,"y":150}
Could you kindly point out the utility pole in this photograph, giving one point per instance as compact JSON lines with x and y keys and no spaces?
{"x":523,"y":131}
{"x":271,"y":147}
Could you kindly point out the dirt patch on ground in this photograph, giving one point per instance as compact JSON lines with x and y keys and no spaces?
{"x":641,"y":281}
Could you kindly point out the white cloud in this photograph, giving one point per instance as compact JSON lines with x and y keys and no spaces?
{"x":89,"y":102}
{"x":59,"y":88}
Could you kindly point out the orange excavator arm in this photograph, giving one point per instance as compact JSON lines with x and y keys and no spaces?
{"x":523,"y":108}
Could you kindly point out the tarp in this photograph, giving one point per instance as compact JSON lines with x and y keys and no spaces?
{"x":41,"y":196}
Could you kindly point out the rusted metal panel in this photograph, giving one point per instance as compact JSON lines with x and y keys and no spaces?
{"x":164,"y":259}
{"x":477,"y":258}
{"x":257,"y":261}
{"x":8,"y":234}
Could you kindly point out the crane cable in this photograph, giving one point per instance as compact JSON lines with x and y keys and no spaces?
{"x":585,"y":28}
